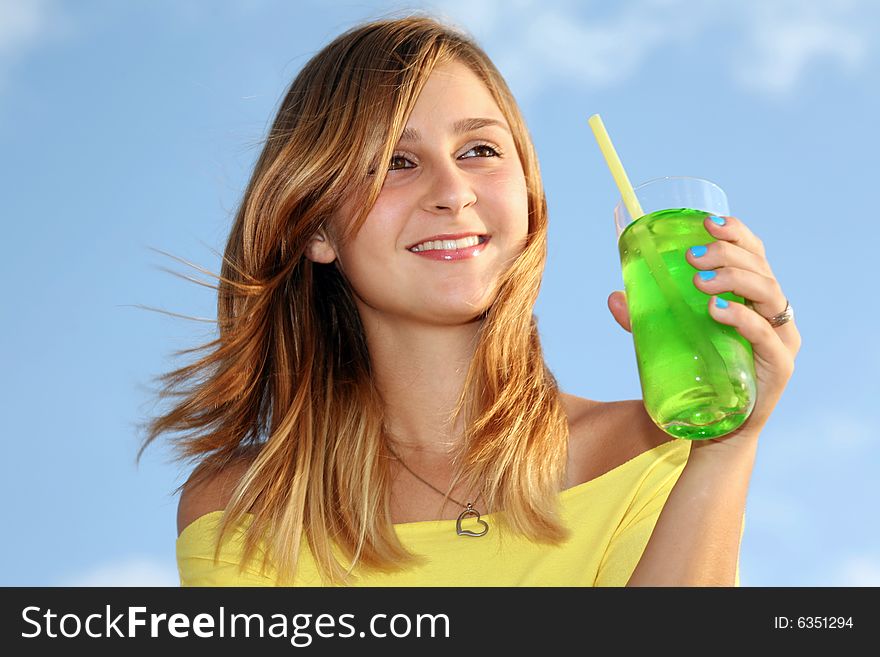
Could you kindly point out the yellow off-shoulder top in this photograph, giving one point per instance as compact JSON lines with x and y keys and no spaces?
{"x":611,"y":517}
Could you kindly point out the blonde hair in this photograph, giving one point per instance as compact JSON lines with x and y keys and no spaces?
{"x":288,"y":382}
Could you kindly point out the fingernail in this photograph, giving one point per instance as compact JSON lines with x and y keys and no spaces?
{"x":721,"y":303}
{"x":707,"y":275}
{"x":698,"y":251}
{"x":718,"y":220}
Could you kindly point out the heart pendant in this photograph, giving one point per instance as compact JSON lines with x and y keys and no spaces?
{"x":470,"y":511}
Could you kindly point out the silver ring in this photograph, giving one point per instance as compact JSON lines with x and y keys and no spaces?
{"x":777,"y":320}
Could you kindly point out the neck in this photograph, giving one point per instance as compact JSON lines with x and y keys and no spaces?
{"x":420,"y":370}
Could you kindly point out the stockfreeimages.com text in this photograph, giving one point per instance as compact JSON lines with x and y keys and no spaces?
{"x":299,"y":628}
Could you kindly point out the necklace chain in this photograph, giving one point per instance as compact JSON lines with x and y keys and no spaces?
{"x":394,"y":454}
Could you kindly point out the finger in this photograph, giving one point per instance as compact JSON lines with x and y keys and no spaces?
{"x":726,"y":254}
{"x":766,"y":343}
{"x":734,"y":240}
{"x":764,"y":292}
{"x":735,"y":231}
{"x":619,"y":309}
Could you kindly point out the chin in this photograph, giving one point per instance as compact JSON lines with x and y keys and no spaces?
{"x":460,"y":313}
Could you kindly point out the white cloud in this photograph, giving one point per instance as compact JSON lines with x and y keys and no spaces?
{"x":24,"y":26}
{"x":859,"y":570}
{"x":774,"y":41}
{"x":133,"y":571}
{"x":840,"y":430}
{"x":20,"y":24}
{"x":533,"y":41}
{"x":479,"y":18}
{"x":785,"y":38}
{"x":597,"y":53}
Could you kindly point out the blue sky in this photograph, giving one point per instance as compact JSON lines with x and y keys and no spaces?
{"x":130,"y":125}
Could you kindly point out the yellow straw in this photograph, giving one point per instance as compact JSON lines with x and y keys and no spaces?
{"x":613,"y":162}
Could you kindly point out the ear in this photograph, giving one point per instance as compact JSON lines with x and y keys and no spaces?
{"x":319,"y":249}
{"x":620,"y":311}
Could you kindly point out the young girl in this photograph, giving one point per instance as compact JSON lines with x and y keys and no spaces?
{"x":376,"y":409}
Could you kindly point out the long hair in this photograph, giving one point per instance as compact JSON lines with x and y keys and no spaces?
{"x":288,"y":385}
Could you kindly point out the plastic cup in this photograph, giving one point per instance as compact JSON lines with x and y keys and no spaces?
{"x":697,"y":375}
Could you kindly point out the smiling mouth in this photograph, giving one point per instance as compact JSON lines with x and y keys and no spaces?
{"x":449,"y":245}
{"x":471,"y":249}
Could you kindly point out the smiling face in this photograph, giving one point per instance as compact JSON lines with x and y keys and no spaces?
{"x":454,"y":171}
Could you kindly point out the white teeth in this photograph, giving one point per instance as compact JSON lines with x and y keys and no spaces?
{"x":447,"y":245}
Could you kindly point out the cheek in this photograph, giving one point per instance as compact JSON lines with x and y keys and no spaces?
{"x":384,"y":219}
{"x":366,"y":255}
{"x":380,"y":223}
{"x":509,"y":194}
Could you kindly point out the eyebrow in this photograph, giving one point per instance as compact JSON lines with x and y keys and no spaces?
{"x":460,"y":127}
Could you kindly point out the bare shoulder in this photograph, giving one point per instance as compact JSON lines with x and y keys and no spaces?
{"x":634,"y":420}
{"x":605,"y":435}
{"x":204,"y":494}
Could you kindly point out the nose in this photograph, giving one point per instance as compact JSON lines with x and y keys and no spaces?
{"x":449,"y":190}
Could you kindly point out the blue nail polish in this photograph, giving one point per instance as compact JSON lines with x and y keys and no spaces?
{"x":721,"y":303}
{"x":698,"y":251}
{"x":718,"y":220}
{"x":707,"y":275}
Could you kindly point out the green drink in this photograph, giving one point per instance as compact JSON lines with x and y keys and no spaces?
{"x":697,"y":375}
